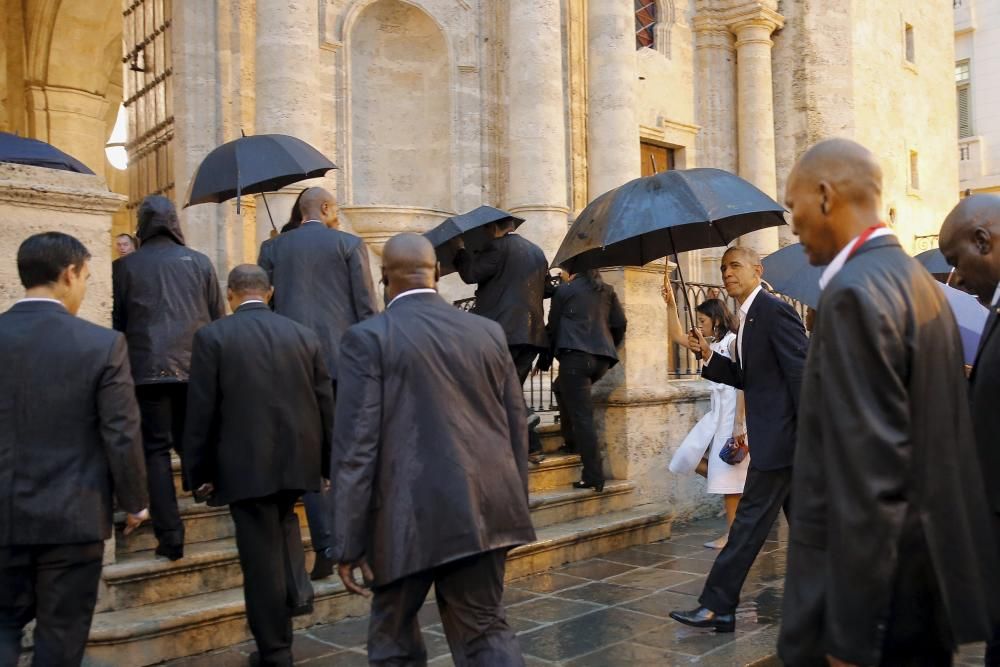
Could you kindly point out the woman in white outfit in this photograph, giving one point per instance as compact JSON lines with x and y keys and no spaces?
{"x":699,"y":453}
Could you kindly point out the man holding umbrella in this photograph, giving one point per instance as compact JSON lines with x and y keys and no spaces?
{"x":322,"y":279}
{"x":512,"y":278}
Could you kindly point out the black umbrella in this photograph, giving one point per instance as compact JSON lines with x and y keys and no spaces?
{"x":935,"y":263}
{"x":255,"y":165}
{"x":471,"y":226}
{"x":665,"y":214}
{"x":35,"y":153}
{"x":789,"y":272}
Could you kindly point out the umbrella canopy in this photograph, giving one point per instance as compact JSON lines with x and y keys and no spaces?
{"x":789,"y":272}
{"x":971,"y":318}
{"x":471,"y":226}
{"x":664,"y":214}
{"x":35,"y":153}
{"x":255,"y":164}
{"x":935,"y":263}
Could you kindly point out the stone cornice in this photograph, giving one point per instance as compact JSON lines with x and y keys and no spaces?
{"x":735,"y":15}
{"x":80,"y":200}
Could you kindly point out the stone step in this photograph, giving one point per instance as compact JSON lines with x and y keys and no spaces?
{"x":558,"y":506}
{"x":162,"y":631}
{"x":557,"y":471}
{"x":551,"y":437}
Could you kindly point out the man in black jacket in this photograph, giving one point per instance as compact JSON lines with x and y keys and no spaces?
{"x":430,"y":465}
{"x":259,"y":424}
{"x":770,"y":354}
{"x":888,"y":559}
{"x":163,"y":293}
{"x":322,"y":279}
{"x":69,"y":441}
{"x":512,"y":279}
{"x":970,"y":241}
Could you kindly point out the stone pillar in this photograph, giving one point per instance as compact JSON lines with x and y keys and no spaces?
{"x":537,"y":123}
{"x":756,"y":109}
{"x":74,"y":121}
{"x":287,"y":66}
{"x":612,"y":127}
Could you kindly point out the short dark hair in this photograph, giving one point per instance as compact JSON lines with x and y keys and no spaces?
{"x":248,"y":278}
{"x":723,"y":320}
{"x":42,"y":257}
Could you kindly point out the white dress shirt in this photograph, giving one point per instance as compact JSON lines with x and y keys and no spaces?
{"x":421,"y":290}
{"x":30,"y":299}
{"x":996,"y":296}
{"x":249,"y":301}
{"x":834,"y":267}
{"x":744,"y":309}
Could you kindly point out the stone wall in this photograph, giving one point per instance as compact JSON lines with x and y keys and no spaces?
{"x":34,"y":200}
{"x":977,"y":33}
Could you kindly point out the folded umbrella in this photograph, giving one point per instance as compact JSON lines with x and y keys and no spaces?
{"x":471,"y":226}
{"x":35,"y":153}
{"x":971,"y":318}
{"x":789,"y":272}
{"x":254,"y":165}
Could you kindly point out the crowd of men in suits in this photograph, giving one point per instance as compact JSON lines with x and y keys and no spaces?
{"x":407,"y":430}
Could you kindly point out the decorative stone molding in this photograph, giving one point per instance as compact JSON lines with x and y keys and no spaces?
{"x":378,"y":224}
{"x":58,"y":191}
{"x":715,"y":16}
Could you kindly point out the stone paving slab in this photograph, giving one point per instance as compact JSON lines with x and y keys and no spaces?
{"x":601,"y":612}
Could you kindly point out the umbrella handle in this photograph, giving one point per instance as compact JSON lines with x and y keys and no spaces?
{"x":680,"y":274}
{"x":264,"y":197}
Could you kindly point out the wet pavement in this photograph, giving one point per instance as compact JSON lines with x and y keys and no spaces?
{"x":601,"y":612}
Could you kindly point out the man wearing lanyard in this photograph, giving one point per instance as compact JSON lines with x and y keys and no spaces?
{"x":887,"y":564}
{"x":970,"y":241}
{"x":771,"y":352}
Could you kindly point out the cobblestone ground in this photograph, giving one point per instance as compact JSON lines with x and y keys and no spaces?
{"x":601,"y":612}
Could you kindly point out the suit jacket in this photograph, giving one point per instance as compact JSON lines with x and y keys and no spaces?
{"x":163,"y":292}
{"x":582,"y":318}
{"x":430,"y":440}
{"x":321,"y":279}
{"x":260,"y":407}
{"x":512,"y":275}
{"x":984,"y":394}
{"x":885,"y":448}
{"x":774,"y":354}
{"x":69,"y":428}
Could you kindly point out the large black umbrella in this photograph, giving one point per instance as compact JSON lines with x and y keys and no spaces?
{"x":471,"y":226}
{"x":665,"y":214}
{"x":789,"y":272}
{"x":935,"y":263}
{"x":255,"y":165}
{"x":35,"y":153}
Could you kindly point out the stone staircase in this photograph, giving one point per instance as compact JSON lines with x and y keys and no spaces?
{"x":151,"y":610}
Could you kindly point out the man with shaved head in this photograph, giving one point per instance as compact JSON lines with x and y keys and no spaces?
{"x":770,"y":353}
{"x":259,"y":427}
{"x":430,"y":467}
{"x":970,"y":241}
{"x":322,"y":279}
{"x":887,"y":564}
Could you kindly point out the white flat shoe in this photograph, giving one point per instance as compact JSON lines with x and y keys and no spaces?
{"x":717,"y":544}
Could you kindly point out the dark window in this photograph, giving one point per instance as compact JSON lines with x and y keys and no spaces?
{"x":645,"y":24}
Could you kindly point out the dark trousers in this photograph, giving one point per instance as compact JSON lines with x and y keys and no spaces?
{"x":765,"y":494}
{"x":524,"y":357}
{"x":578,"y":371}
{"x":271,"y":567}
{"x":56,"y":585}
{"x":993,"y":646}
{"x":319,"y":513}
{"x":469,"y":596}
{"x":162,"y":407}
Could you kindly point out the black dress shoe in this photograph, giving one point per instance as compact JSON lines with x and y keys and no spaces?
{"x":173,"y":553}
{"x":599,"y":487}
{"x":322,"y":568}
{"x":302,"y":609}
{"x":706,"y":618}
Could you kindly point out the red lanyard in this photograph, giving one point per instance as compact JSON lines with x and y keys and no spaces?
{"x":865,"y":235}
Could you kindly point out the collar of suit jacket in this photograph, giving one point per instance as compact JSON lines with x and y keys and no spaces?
{"x":834,"y":267}
{"x":411,"y":292}
{"x":251,"y":304}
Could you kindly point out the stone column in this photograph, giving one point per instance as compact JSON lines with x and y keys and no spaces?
{"x":756,"y":109}
{"x":612,"y":127}
{"x":287,"y":65}
{"x":536,"y":123}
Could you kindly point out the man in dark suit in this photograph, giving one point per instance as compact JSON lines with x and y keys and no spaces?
{"x":430,"y":465}
{"x":512,"y":279}
{"x":163,"y":293}
{"x":69,"y":440}
{"x":770,"y":354}
{"x":322,"y":279}
{"x":260,"y":420}
{"x":970,"y":241}
{"x":888,"y":563}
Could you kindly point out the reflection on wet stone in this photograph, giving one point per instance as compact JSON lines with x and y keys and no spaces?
{"x":662,"y":603}
{"x":595,"y":568}
{"x":603,"y":593}
{"x":636,"y":557}
{"x":628,"y":653}
{"x":585,"y":634}
{"x":547,"y":582}
{"x":549,"y":610}
{"x":691,"y":565}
